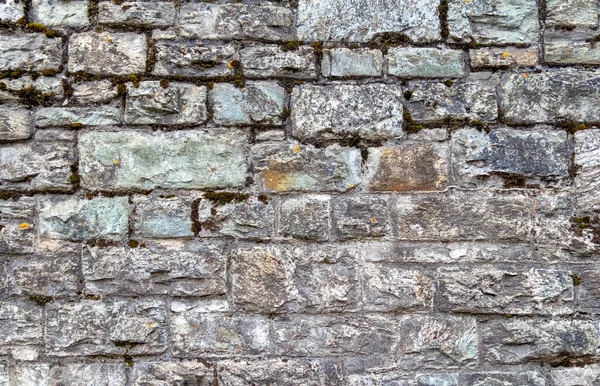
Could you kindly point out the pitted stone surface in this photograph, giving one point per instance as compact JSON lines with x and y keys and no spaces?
{"x":189,"y":58}
{"x":271,"y":61}
{"x":259,"y":103}
{"x":155,"y":14}
{"x":30,"y":52}
{"x":56,"y":13}
{"x":409,"y":62}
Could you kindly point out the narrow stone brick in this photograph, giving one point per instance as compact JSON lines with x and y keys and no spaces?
{"x":175,"y":268}
{"x":341,"y":62}
{"x":177,"y":103}
{"x":530,"y":378}
{"x":587,"y":376}
{"x":89,"y":374}
{"x":490,"y":57}
{"x":87,"y":116}
{"x":577,"y":46}
{"x":361,"y":216}
{"x":372,"y":111}
{"x":21,"y":324}
{"x":56,"y":13}
{"x":587,"y":162}
{"x":107,"y":53}
{"x":257,"y":103}
{"x":462,"y":216}
{"x":79,"y":219}
{"x":413,"y":62}
{"x":93,"y":92}
{"x":10,"y":12}
{"x":186,"y":159}
{"x":235,"y":21}
{"x":172,"y":373}
{"x":363,"y":21}
{"x":154,"y":14}
{"x":17,"y":226}
{"x":589,"y":291}
{"x":191,"y":58}
{"x":289,"y":167}
{"x":162,"y":217}
{"x":566,"y":13}
{"x":51,"y":88}
{"x":387,"y":288}
{"x":305,"y":217}
{"x":271,"y":61}
{"x":50,"y":276}
{"x":15,"y":123}
{"x":30,"y":52}
{"x":411,"y":166}
{"x":99,"y":328}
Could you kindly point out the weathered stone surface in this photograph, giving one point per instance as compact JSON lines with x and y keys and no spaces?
{"x":497,"y":22}
{"x":31,"y":374}
{"x":162,"y":217}
{"x":270,"y":60}
{"x":410,"y":166}
{"x":362,"y":21}
{"x":491,"y":57}
{"x":178,"y":103}
{"x":89,"y":374}
{"x":172,"y":373}
{"x":190,"y":58}
{"x":521,"y":340}
{"x":505,"y":290}
{"x":582,"y":376}
{"x":306,"y":217}
{"x":472,"y":98}
{"x":341,"y":62}
{"x":361,"y":216}
{"x":568,"y":13}
{"x":30,"y":52}
{"x":99,"y":328}
{"x":39,"y":165}
{"x":178,"y":268}
{"x":21,"y":324}
{"x":47,"y":277}
{"x":94,"y":92}
{"x":257,"y":103}
{"x":17,"y":225}
{"x":87,"y":116}
{"x":414,"y":62}
{"x":15,"y":123}
{"x":185,"y":159}
{"x":529,"y":378}
{"x":577,"y":46}
{"x":12,"y":90}
{"x":462,"y":216}
{"x":57,"y":13}
{"x":371,"y":111}
{"x":587,"y":161}
{"x":565,"y":94}
{"x":290,"y":167}
{"x":589,"y":291}
{"x":155,"y":14}
{"x":237,"y":21}
{"x":10,"y":12}
{"x":107,"y":53}
{"x":79,"y":219}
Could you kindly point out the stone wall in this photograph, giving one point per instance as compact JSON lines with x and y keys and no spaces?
{"x":311,"y":192}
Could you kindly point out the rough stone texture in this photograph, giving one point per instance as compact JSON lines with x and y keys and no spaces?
{"x":341,"y":62}
{"x":86,"y":116}
{"x":270,"y":60}
{"x":172,"y":373}
{"x":154,"y":14}
{"x":30,"y":52}
{"x":503,"y":57}
{"x":410,"y":62}
{"x":587,"y":149}
{"x":389,"y":288}
{"x":162,"y":217}
{"x":15,"y":124}
{"x":11,"y":11}
{"x":93,"y":374}
{"x":186,"y":159}
{"x":306,"y":217}
{"x":57,"y":13}
{"x":258,"y":103}
{"x":587,"y":376}
{"x":17,"y":226}
{"x":53,"y":277}
{"x":371,"y":111}
{"x":362,"y":216}
{"x":94,"y":92}
{"x":189,"y":58}
{"x":21,"y":324}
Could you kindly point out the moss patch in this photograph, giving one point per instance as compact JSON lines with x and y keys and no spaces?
{"x":222,"y":198}
{"x":410,"y":126}
{"x":290,"y":45}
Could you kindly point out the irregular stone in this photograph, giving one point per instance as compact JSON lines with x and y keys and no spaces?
{"x":490,"y":57}
{"x":162,"y":217}
{"x":30,"y":52}
{"x":172,"y":373}
{"x":472,"y":98}
{"x":154,"y":14}
{"x":21,"y":324}
{"x":257,"y":103}
{"x":79,"y":219}
{"x":270,"y":135}
{"x":569,"y":13}
{"x":245,"y":217}
{"x":341,"y":62}
{"x":387,"y":288}
{"x":174,"y":268}
{"x":185,"y":159}
{"x":363,"y":21}
{"x":36,"y":165}
{"x":505,"y":290}
{"x":361,"y":216}
{"x":411,"y":62}
{"x":191,"y":58}
{"x":32,"y":374}
{"x":51,"y":89}
{"x":571,"y":47}
{"x":498,"y":22}
{"x":178,"y":103}
{"x":98,"y":328}
{"x":589,"y":292}
{"x":17,"y":226}
{"x":289,"y":167}
{"x":46,"y":277}
{"x":89,"y":374}
{"x":107,"y":53}
{"x":87,"y":116}
{"x":305,"y":217}
{"x":235,"y":21}
{"x":372,"y":111}
{"x":463,"y":216}
{"x":56,"y":13}
{"x":581,"y":376}
{"x":410,"y":166}
{"x":93,"y":92}
{"x":439,"y":341}
{"x":565,"y":94}
{"x":10,"y":12}
{"x":271,"y":61}
{"x":587,"y":162}
{"x":15,"y":123}
{"x":549,"y":341}
{"x":489,"y":378}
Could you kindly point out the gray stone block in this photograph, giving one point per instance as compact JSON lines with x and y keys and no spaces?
{"x":258,"y":103}
{"x":342,"y":62}
{"x":271,"y":61}
{"x":306,"y":217}
{"x":60,"y":14}
{"x":361,"y":216}
{"x":192,"y":58}
{"x":30,"y":52}
{"x":412,"y":62}
{"x":153,"y":14}
{"x":17,"y":226}
{"x":162,"y":217}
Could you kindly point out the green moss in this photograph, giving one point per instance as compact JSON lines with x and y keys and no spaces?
{"x":576,"y":279}
{"x":448,"y":83}
{"x":133,"y":244}
{"x":34,"y":97}
{"x":290,"y":45}
{"x":443,"y":13}
{"x":38,"y":27}
{"x":3,"y":86}
{"x":74,"y":179}
{"x":76,"y":125}
{"x":12,"y":74}
{"x":134,"y":79}
{"x":235,"y":64}
{"x":222,"y":198}
{"x":4,"y":195}
{"x":480,"y":126}
{"x":318,"y":50}
{"x":409,"y":124}
{"x":49,"y":72}
{"x":129,"y":360}
{"x":151,"y":58}
{"x":164,"y":83}
{"x":239,"y":81}
{"x":512,"y":180}
{"x":263,"y":198}
{"x":67,"y":88}
{"x":196,"y":227}
{"x":408,"y":94}
{"x":594,"y":39}
{"x":40,"y":300}
{"x":572,"y":127}
{"x":118,"y":2}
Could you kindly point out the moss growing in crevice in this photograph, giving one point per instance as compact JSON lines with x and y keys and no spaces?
{"x":40,"y":300}
{"x":222,"y":198}
{"x":576,"y":280}
{"x":410,"y":126}
{"x":290,"y":45}
{"x":196,"y":227}
{"x":572,"y":127}
{"x":318,"y":50}
{"x":38,"y":27}
{"x":408,"y":94}
{"x":391,"y":39}
{"x":443,"y":13}
{"x":31,"y":96}
{"x":586,"y":224}
{"x":512,"y":180}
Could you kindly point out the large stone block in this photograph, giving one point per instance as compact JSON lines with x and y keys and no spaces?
{"x":59,"y":14}
{"x":17,"y":226}
{"x":342,"y":62}
{"x":162,"y":217}
{"x":151,"y":13}
{"x":107,"y":53}
{"x":268,"y":60}
{"x":587,"y":162}
{"x":372,"y":111}
{"x":412,"y":62}
{"x":569,"y":13}
{"x":362,"y":21}
{"x":99,"y":328}
{"x":21,"y":324}
{"x":185,"y":159}
{"x":10,"y":12}
{"x":305,"y":217}
{"x":175,"y":268}
{"x":192,"y":58}
{"x":30,"y":52}
{"x":361,"y":216}
{"x":157,"y":373}
{"x":88,"y":374}
{"x":16,"y":123}
{"x":258,"y":103}
{"x":389,"y":288}
{"x":580,"y":376}
{"x":49,"y":276}
{"x":294,"y":167}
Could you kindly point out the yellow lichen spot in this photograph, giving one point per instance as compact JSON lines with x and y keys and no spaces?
{"x":149,"y":325}
{"x":373,"y":220}
{"x":230,"y":64}
{"x":116,"y":162}
{"x":107,"y":40}
{"x":195,"y":326}
{"x":24,"y":226}
{"x":505,"y":55}
{"x":297,"y":149}
{"x":184,"y":107}
{"x":468,"y":1}
{"x":208,"y":170}
{"x":351,"y":186}
{"x":525,"y":75}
